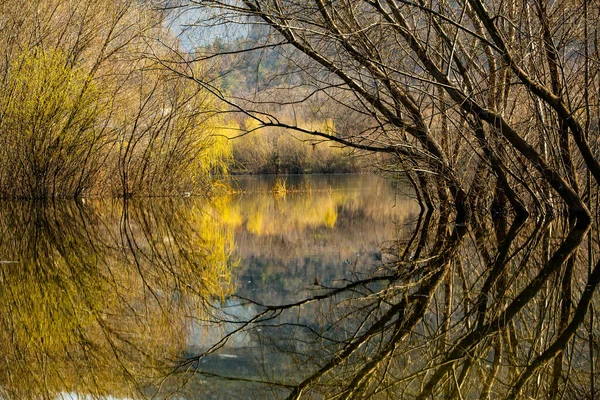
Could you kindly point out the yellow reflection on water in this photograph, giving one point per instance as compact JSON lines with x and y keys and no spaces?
{"x":102,"y":298}
{"x":260,"y":211}
{"x":94,"y":299}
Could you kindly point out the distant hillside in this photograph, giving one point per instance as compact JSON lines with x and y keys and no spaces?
{"x":249,"y":68}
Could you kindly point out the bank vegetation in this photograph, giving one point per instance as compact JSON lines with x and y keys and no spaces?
{"x":85,"y":111}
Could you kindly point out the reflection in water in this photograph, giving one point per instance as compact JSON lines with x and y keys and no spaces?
{"x":95,"y":298}
{"x":488,"y":309}
{"x":335,"y":231}
{"x":340,"y":291}
{"x":295,"y":250}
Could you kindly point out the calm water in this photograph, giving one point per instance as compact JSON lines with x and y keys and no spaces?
{"x":112,"y":300}
{"x":336,"y":288}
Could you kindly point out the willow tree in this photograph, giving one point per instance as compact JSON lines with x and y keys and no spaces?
{"x":84,"y":111}
{"x":490,"y":108}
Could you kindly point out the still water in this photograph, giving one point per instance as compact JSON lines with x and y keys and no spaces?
{"x":185,"y":297}
{"x":337,"y":287}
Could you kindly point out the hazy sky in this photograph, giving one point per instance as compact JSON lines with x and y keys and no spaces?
{"x":200,"y":27}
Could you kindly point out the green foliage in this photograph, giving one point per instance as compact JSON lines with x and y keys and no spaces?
{"x":85,"y":112}
{"x":254,"y":70}
{"x":168,"y":140}
{"x":259,"y":75}
{"x":47,"y":132}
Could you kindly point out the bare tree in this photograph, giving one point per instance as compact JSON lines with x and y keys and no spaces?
{"x":491,"y":109}
{"x":458,"y":88}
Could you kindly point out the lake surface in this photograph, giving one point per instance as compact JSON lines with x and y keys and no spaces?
{"x":337,"y":287}
{"x":103,"y":299}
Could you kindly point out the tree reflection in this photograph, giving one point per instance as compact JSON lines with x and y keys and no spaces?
{"x":137,"y":299}
{"x":484,"y":308}
{"x":97,"y":299}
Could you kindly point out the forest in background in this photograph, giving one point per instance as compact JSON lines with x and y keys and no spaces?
{"x":258,"y":75}
{"x":491,"y":109}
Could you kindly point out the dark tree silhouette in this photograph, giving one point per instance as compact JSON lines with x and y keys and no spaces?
{"x":491,"y":109}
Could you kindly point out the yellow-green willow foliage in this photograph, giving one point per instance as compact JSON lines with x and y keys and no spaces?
{"x":273,"y":150}
{"x":167,"y":142}
{"x":98,"y":299}
{"x":48,"y":139}
{"x":84,"y":109}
